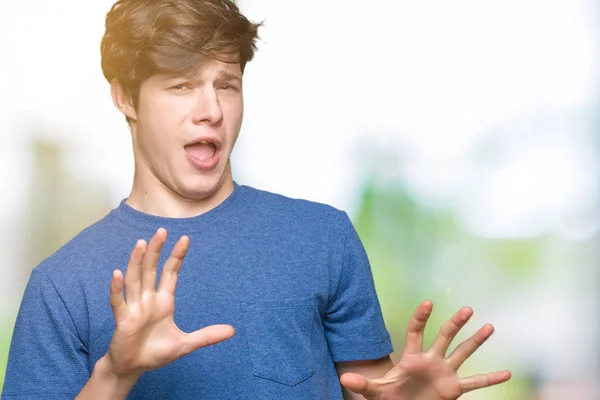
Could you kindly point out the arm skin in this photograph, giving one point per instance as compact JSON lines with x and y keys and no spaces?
{"x":105,"y":385}
{"x":367,"y":368}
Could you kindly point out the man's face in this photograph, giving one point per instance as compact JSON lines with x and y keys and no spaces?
{"x":186,"y":128}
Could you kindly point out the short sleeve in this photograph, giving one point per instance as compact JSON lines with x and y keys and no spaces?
{"x":354,"y":323}
{"x":47,"y":358}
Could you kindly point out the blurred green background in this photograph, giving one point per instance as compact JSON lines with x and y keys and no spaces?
{"x":462,"y":138}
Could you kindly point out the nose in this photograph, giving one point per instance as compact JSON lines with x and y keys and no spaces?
{"x":208,"y":110}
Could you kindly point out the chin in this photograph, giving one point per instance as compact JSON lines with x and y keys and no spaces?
{"x":200,"y":190}
{"x":197,"y":185}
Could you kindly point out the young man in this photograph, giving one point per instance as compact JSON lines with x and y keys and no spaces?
{"x":281,"y":289}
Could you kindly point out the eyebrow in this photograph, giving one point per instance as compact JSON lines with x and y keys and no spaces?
{"x":222,"y":75}
{"x":228,"y":76}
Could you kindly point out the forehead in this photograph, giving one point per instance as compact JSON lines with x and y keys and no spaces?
{"x":216,"y":68}
{"x":209,"y":69}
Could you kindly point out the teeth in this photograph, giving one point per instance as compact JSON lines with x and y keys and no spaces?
{"x":203,"y":142}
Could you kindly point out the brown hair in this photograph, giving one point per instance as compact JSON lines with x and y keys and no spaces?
{"x":145,"y":37}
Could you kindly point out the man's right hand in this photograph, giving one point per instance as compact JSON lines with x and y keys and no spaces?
{"x":146,"y":336}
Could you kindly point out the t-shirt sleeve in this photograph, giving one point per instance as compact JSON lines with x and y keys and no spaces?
{"x":354,"y":323}
{"x":47,"y":357}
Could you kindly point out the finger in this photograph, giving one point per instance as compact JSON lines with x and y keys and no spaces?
{"x":469,"y":346}
{"x":416,"y":327}
{"x":481,"y":381}
{"x":205,"y":337}
{"x":170,"y":272}
{"x":117,"y":301}
{"x":449,"y":330}
{"x":356,"y":383}
{"x":151,"y":260}
{"x":134,"y":270}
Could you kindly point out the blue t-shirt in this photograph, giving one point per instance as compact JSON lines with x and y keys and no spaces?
{"x":291,"y":276}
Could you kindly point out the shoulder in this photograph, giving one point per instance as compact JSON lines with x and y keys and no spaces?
{"x":289,"y":208}
{"x":298,"y":217}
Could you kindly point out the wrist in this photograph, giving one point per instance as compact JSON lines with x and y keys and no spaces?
{"x":105,"y":384}
{"x":104,"y":372}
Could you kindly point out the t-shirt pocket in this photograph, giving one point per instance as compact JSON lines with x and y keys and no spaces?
{"x":280,"y":335}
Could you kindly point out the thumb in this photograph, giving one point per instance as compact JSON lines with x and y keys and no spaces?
{"x":205,"y":337}
{"x":355,"y":382}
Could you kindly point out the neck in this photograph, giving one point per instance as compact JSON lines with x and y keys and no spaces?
{"x":155,"y":198}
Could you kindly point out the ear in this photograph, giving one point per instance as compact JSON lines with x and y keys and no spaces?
{"x":122,"y":99}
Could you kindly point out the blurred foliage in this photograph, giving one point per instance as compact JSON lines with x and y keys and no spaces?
{"x":400,"y":238}
{"x":413,"y":249}
{"x":60,"y":204}
{"x":516,"y":257}
{"x":5,"y":337}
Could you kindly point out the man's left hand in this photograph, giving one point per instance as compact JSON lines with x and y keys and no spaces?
{"x":429,"y":375}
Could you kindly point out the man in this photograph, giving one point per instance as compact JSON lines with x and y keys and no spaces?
{"x":281,"y":289}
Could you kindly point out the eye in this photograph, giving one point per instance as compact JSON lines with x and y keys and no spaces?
{"x":180,"y":88}
{"x":227,"y":87}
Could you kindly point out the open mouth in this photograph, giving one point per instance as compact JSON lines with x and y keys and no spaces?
{"x":202,"y":150}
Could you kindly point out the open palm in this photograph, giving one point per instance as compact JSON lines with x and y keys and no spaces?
{"x":146,"y":336}
{"x":429,"y":375}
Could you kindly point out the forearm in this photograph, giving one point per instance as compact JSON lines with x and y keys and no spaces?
{"x":105,"y":385}
{"x":367,"y":368}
